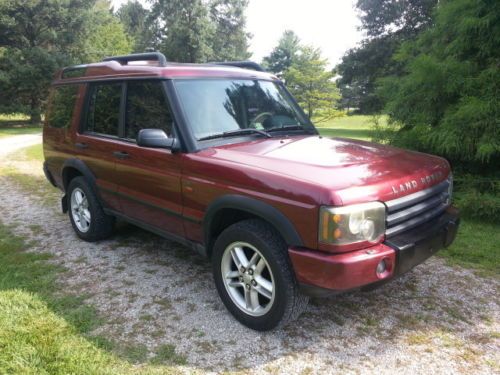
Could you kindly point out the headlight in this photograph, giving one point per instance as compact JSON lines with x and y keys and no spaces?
{"x":351,"y":224}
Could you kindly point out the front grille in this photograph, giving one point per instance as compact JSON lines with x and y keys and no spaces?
{"x":412,"y":210}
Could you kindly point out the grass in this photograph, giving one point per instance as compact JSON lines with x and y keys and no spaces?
{"x":355,"y":126}
{"x":42,"y":330}
{"x":7,"y":132}
{"x":476,"y":247}
{"x":31,"y":153}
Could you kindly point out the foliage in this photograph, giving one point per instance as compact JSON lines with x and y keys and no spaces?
{"x":196,"y":31}
{"x":448,"y":100}
{"x":107,"y":36}
{"x":38,"y":37}
{"x":306,"y":75}
{"x":134,"y":18}
{"x":387,"y":24}
{"x":230,"y":40}
{"x":313,"y":86}
{"x":187,"y":30}
{"x":284,"y":54}
{"x":386,"y":17}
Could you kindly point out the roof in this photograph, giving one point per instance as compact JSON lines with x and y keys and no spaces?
{"x":108,"y":70}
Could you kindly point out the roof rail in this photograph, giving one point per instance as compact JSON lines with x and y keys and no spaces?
{"x":158,"y":56}
{"x":242,"y":64}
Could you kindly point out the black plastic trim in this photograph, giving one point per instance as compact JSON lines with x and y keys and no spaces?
{"x":254,"y":207}
{"x":81,"y":167}
{"x":48,"y":175}
{"x":415,"y":246}
{"x":154,"y":56}
{"x":252,"y":65}
{"x":199,"y":248}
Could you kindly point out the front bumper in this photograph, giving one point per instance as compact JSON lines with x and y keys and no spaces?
{"x":320,"y":273}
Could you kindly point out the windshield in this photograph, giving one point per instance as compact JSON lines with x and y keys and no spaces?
{"x":217,"y":106}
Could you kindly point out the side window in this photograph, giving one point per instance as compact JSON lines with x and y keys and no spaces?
{"x":61,"y":107}
{"x":104,"y":108}
{"x":146,"y":108}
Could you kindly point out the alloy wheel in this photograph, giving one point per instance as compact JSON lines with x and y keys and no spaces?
{"x":80,"y":210}
{"x":248,"y":278}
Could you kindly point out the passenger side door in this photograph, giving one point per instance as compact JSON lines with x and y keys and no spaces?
{"x":98,"y":136}
{"x":149,"y":180}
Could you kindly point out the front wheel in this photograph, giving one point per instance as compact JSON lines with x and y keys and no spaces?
{"x":254,"y":276}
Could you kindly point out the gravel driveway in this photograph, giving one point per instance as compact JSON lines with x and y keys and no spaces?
{"x":436,"y":319}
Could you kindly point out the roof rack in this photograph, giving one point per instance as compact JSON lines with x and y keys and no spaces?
{"x":158,"y":56}
{"x":242,"y":64}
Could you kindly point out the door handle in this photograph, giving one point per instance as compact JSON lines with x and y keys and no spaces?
{"x":121,"y":154}
{"x":81,"y":145}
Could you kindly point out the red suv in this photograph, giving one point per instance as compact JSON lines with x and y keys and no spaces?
{"x":222,"y":159}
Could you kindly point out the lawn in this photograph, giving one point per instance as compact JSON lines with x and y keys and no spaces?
{"x":476,"y":247}
{"x":355,"y":126}
{"x":43,"y":330}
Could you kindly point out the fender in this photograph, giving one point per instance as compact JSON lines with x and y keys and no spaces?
{"x":81,"y":167}
{"x":255,"y":207}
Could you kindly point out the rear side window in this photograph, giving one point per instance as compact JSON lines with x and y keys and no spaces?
{"x":146,"y":108}
{"x":104,"y":108}
{"x":61,"y":107}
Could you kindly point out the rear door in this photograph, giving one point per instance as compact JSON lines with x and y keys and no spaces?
{"x":149,"y":180}
{"x":97,"y":139}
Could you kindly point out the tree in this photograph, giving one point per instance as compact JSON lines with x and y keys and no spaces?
{"x":284,"y":54}
{"x":39,"y":37}
{"x":35,"y":37}
{"x":448,"y":101}
{"x":312,"y":84}
{"x":387,"y":24}
{"x":230,"y":40}
{"x":135,"y":19}
{"x":200,"y":30}
{"x":107,"y":36}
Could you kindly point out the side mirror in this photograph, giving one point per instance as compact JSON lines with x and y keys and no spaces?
{"x":155,"y":138}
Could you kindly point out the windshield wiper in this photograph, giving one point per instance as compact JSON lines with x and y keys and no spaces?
{"x":233,"y":133}
{"x":289,"y":127}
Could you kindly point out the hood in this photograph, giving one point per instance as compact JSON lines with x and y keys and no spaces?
{"x":350,"y":171}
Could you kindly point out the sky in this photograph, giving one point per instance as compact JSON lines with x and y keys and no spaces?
{"x":328,"y":24}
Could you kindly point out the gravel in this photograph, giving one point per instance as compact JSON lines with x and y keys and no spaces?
{"x":152,"y":292}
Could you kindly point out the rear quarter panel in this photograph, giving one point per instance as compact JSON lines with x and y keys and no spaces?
{"x":58,"y":143}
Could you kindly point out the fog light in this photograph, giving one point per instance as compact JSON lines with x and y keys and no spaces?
{"x":381,"y":267}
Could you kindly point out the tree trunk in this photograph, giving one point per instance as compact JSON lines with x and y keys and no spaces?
{"x":35,"y":117}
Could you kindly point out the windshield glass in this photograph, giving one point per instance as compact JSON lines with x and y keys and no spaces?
{"x":217,"y":106}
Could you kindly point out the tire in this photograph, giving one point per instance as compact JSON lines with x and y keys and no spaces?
{"x":268,"y":310}
{"x":88,"y":219}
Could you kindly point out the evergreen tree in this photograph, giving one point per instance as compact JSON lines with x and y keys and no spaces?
{"x":312,"y":85}
{"x":449,"y":99}
{"x":387,"y":24}
{"x":39,"y":37}
{"x":230,"y":40}
{"x":284,"y":54}
{"x":135,"y":18}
